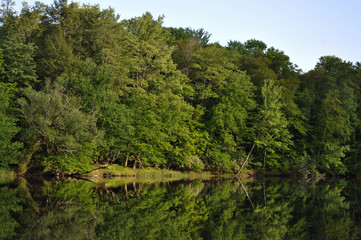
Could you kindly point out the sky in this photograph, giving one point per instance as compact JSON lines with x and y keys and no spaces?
{"x":304,"y":29}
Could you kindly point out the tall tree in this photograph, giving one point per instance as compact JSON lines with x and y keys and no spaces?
{"x":211,"y":67}
{"x":332,"y":112}
{"x":28,"y":21}
{"x":7,"y":17}
{"x":228,"y":122}
{"x":9,"y":149}
{"x":56,"y":55}
{"x":272,"y":135}
{"x":200,"y":35}
{"x":102,"y":37}
{"x":19,"y":65}
{"x":54,"y":122}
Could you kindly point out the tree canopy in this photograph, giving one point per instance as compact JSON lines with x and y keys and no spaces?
{"x":79,"y":85}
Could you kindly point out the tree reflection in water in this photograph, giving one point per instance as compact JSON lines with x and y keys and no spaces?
{"x":222,"y":209}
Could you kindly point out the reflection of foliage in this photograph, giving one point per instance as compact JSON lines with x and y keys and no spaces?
{"x":159,"y":212}
{"x":271,"y":218}
{"x":182,"y":210}
{"x":9,"y":203}
{"x":352,"y":193}
{"x":331,"y":213}
{"x":271,"y":221}
{"x":321,"y":212}
{"x":226,"y":217}
{"x":69,"y":211}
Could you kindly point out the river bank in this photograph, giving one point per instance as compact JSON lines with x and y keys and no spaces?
{"x":118,"y":171}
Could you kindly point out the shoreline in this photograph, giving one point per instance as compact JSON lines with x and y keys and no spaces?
{"x":118,"y":171}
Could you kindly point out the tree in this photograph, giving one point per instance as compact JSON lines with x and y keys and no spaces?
{"x":272,"y":135}
{"x":178,"y":34}
{"x":53,"y":120}
{"x":28,"y":21}
{"x":148,"y":55}
{"x":257,"y":67}
{"x":66,"y":16}
{"x":7,"y":17}
{"x":102,"y":37}
{"x":19,"y":65}
{"x":333,"y":127}
{"x":56,"y":56}
{"x":184,"y":52}
{"x":229,"y":122}
{"x":332,"y":112}
{"x":210,"y":70}
{"x":9,"y":149}
{"x":353,"y":160}
{"x":288,"y":79}
{"x":237,"y":46}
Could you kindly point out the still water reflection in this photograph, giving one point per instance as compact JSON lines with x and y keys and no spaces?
{"x":222,"y":209}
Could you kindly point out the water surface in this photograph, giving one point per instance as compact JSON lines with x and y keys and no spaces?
{"x":216,"y":209}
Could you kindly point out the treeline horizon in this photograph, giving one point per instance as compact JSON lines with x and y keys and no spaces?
{"x":79,"y":86}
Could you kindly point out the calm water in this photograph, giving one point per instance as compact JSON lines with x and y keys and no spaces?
{"x":222,"y":209}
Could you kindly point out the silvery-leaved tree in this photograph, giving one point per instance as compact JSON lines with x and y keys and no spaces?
{"x":54,"y":121}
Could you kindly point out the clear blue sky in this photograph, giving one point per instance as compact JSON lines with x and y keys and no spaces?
{"x":304,"y":29}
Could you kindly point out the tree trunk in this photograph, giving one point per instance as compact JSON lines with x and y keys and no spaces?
{"x":135,"y":164}
{"x":245,"y":190}
{"x":264,"y":159}
{"x":264,"y":194}
{"x":249,"y":154}
{"x":126,"y":160}
{"x":140,"y":162}
{"x":23,"y":184}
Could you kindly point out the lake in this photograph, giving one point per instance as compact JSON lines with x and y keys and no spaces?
{"x":277,"y":208}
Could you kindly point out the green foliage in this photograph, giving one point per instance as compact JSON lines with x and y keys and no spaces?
{"x":72,"y":211}
{"x":7,"y":16}
{"x":54,"y":121}
{"x":156,"y":130}
{"x":210,"y":71}
{"x":9,"y":204}
{"x":167,"y":97}
{"x":56,"y":56}
{"x":19,"y":66}
{"x":226,"y":209}
{"x":200,"y":35}
{"x":272,"y":132}
{"x":229,"y":117}
{"x":79,"y":162}
{"x":28,"y":21}
{"x":9,"y":149}
{"x":333,"y":112}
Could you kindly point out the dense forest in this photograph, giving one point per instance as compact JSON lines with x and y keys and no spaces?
{"x":79,"y":86}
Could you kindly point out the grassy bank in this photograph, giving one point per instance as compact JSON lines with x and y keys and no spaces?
{"x":115,"y":175}
{"x":120,"y":171}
